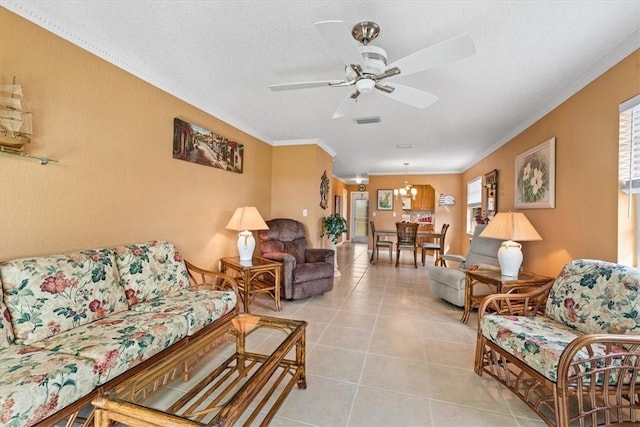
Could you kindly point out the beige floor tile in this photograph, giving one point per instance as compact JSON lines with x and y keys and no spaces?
{"x":338,"y":363}
{"x":376,"y":407}
{"x":448,"y":415}
{"x":325,"y":402}
{"x":355,"y":320}
{"x":464,"y":387}
{"x":403,"y":346}
{"x":315,"y":314}
{"x":450,"y":354}
{"x":447,"y":332}
{"x":391,"y":373}
{"x":393,"y":325}
{"x":346,"y":337}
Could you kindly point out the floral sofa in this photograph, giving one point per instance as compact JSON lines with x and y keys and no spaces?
{"x":570,"y":350}
{"x":73,"y":323}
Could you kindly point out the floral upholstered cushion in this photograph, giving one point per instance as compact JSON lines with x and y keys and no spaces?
{"x":200,"y":308}
{"x":49,"y":295}
{"x":6,"y":330}
{"x":37,"y":383}
{"x":119,"y":342}
{"x":151,"y":270}
{"x":596,"y":297}
{"x":537,"y":341}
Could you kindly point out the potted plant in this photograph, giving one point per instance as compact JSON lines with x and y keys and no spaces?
{"x":332,"y":227}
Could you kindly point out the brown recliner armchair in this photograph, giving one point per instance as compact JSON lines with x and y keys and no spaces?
{"x":306,"y":272}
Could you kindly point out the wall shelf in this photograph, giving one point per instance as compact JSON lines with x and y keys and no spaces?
{"x":41,"y":160}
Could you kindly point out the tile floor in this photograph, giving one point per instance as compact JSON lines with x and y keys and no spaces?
{"x":381,"y":351}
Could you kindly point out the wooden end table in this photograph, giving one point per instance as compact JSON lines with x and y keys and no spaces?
{"x":250,"y":276}
{"x":497,"y":283}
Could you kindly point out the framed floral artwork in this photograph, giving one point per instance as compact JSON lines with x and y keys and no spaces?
{"x":385,"y":200}
{"x":535,"y":177}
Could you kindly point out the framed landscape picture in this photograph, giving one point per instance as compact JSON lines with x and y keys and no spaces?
{"x":385,"y":200}
{"x":535,"y":177}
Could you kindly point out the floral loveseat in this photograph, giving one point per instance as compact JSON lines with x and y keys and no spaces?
{"x":571,"y":349}
{"x":72,"y":323}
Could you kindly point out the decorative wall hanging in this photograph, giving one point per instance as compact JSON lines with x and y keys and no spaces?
{"x":15,"y":124}
{"x":385,"y":200}
{"x":535,"y":177}
{"x":491,"y":187}
{"x":446,"y":200}
{"x":324,"y":190}
{"x":195,"y":144}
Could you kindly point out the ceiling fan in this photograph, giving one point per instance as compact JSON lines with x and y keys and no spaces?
{"x":366,"y":65}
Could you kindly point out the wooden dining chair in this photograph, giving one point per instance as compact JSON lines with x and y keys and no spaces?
{"x":377,"y":244}
{"x":407,"y":240}
{"x":437,"y":247}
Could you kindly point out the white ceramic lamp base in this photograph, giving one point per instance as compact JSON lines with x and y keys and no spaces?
{"x":246,"y":245}
{"x":510,"y":258}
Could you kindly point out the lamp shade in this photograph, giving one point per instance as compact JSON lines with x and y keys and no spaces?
{"x":243,"y":220}
{"x":510,"y":226}
{"x":246,"y":218}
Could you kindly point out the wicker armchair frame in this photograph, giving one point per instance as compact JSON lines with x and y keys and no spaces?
{"x":598,"y":390}
{"x":81,"y":413}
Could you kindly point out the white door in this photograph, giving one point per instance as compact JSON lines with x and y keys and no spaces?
{"x":360,"y":217}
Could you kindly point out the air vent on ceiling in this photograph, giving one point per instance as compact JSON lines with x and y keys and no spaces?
{"x":404,"y":146}
{"x":367,"y":120}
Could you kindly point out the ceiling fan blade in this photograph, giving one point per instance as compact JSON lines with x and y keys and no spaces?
{"x":304,"y":85}
{"x":411,"y":96}
{"x":438,"y":54}
{"x":345,"y":105}
{"x":339,"y":38}
{"x":389,"y":73}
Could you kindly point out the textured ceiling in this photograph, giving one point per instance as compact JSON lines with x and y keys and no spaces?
{"x":221,"y":56}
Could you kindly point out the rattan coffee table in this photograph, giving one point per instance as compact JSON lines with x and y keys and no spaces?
{"x":247,"y":388}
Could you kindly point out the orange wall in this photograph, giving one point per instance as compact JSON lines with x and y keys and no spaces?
{"x":297,"y":170}
{"x":116,"y":181}
{"x":585,"y":221}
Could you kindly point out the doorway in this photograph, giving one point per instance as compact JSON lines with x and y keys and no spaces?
{"x":360,"y":217}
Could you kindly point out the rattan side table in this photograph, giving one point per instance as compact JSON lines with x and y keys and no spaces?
{"x":497,"y":283}
{"x":250,"y":276}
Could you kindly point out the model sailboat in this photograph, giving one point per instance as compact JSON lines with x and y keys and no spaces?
{"x":15,"y":124}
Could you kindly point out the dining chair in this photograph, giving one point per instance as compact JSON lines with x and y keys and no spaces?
{"x":437,"y":247}
{"x":407,"y":240}
{"x":377,"y":244}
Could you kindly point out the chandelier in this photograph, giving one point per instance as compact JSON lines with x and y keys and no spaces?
{"x":408,"y":190}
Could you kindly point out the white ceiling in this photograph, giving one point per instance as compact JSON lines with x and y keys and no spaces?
{"x":221,"y":56}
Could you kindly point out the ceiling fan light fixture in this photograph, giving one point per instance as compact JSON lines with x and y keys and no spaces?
{"x":365,"y":85}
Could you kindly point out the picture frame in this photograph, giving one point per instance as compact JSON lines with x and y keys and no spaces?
{"x":535,"y":184}
{"x":384,"y":201}
{"x":199,"y":145}
{"x":336,"y":204}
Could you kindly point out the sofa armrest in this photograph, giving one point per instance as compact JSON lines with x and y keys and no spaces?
{"x":200,"y":278}
{"x":516,"y":304}
{"x":319,"y":255}
{"x":614,"y":355}
{"x":454,"y":258}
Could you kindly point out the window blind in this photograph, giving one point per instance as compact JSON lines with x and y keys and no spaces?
{"x":629,"y":148}
{"x":474,"y":192}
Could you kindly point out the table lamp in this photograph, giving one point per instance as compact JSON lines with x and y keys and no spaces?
{"x":245,"y":220}
{"x":509,"y":227}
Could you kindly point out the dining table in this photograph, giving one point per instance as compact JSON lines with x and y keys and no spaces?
{"x":422,"y":235}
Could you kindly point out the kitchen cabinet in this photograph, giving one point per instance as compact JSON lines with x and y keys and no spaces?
{"x":425,"y":199}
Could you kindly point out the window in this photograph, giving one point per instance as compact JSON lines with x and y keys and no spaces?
{"x":474,"y":202}
{"x":629,"y":151}
{"x":629,"y":178}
